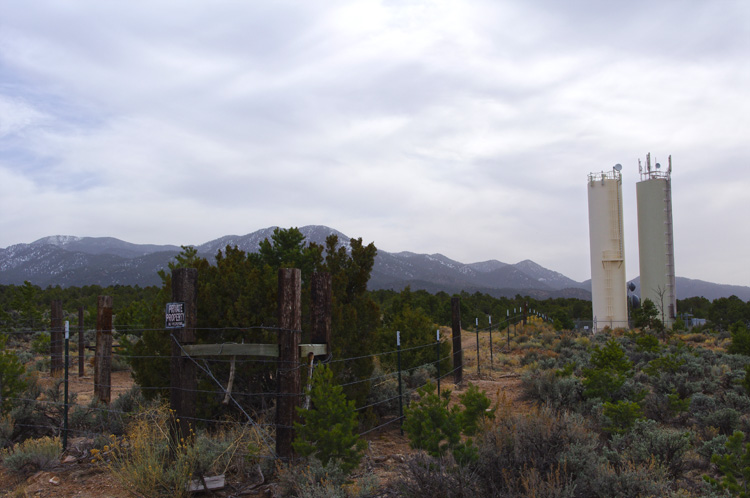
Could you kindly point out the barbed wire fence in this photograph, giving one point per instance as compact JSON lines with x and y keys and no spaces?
{"x":48,"y":412}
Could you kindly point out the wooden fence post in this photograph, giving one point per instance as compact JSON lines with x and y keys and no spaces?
{"x":81,"y":344}
{"x":56,"y":338}
{"x":103,"y":357}
{"x":321,"y":309}
{"x":458,"y":362}
{"x":290,"y":323}
{"x":183,"y":380}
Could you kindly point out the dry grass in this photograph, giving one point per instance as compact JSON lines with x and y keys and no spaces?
{"x":149,"y":462}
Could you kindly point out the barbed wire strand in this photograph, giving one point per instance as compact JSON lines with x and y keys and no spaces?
{"x":221,"y":386}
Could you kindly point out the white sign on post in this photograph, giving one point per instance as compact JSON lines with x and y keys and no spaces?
{"x":175,"y":316}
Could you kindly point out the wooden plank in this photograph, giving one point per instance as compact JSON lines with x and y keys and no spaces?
{"x":211,"y":484}
{"x":315,"y":349}
{"x":266,"y":350}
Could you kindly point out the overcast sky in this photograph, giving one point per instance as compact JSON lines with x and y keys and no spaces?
{"x":466,"y":128}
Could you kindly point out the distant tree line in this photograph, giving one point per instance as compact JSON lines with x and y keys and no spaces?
{"x":27,"y":306}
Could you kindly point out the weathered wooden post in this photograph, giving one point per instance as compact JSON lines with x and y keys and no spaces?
{"x":458,"y":375}
{"x":321,"y":309}
{"x":183,"y":380}
{"x":476,"y":328}
{"x":290,"y":325}
{"x":103,"y":356}
{"x":81,"y":344}
{"x":56,"y":339}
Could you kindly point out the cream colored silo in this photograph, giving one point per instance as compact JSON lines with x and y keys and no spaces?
{"x":608,"y":284}
{"x":656,"y":238}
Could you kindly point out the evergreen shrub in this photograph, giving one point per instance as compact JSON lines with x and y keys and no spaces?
{"x":329,"y":427}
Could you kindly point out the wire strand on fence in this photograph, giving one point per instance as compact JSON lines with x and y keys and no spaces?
{"x":227,"y":393}
{"x":206,"y":369}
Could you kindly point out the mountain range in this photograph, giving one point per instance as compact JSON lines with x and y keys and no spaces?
{"x":77,"y":261}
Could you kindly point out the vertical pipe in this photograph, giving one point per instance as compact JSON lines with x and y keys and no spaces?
{"x":65,"y":396}
{"x":400,"y":399}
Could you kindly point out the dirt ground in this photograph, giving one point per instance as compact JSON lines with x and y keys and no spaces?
{"x":386,"y":454}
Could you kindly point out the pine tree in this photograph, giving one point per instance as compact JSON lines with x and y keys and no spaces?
{"x":329,"y":428}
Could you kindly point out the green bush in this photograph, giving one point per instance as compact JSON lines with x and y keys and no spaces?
{"x":329,"y":428}
{"x":33,"y":455}
{"x":383,"y":395}
{"x":714,"y":446}
{"x":667,"y":364}
{"x":7,"y":427}
{"x":420,"y":376}
{"x":621,"y":416}
{"x":434,"y":427}
{"x":12,"y":382}
{"x":740,"y":339}
{"x":551,"y":389}
{"x":608,"y":370}
{"x":476,"y":408}
{"x":647,"y":342}
{"x":431,"y":425}
{"x":725,"y":419}
{"x":525,"y":453}
{"x":428,"y":477}
{"x":647,"y":440}
{"x":316,"y":480}
{"x":733,"y":467}
{"x":40,"y":343}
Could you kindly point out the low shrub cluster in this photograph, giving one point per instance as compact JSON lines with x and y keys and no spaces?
{"x":313,"y":479}
{"x":660,"y":406}
{"x":32,"y":455}
{"x":543,"y":453}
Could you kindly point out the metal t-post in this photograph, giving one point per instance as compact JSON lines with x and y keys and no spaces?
{"x":400,"y":399}
{"x":65,"y":400}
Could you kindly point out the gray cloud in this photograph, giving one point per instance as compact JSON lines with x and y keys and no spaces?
{"x":466,"y":128}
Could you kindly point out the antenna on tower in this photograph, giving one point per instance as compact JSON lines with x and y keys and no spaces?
{"x":618,"y":167}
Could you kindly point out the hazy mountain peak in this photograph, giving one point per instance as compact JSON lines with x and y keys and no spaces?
{"x":56,"y":240}
{"x":487,"y":266}
{"x":68,"y":260}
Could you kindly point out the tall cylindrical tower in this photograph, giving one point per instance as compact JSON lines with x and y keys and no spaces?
{"x":608,"y":284}
{"x":656,"y":239}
